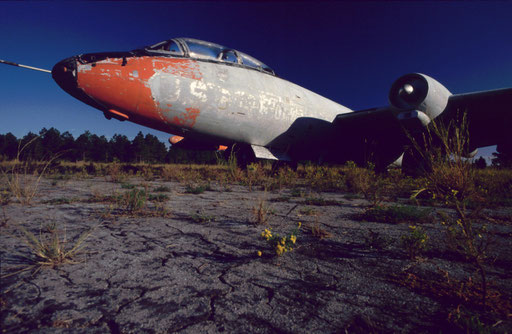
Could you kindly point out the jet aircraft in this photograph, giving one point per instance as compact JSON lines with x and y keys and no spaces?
{"x":212,"y":97}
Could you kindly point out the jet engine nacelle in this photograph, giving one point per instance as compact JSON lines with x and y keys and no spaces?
{"x":421,"y":93}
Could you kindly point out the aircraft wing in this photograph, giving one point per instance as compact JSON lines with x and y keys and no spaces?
{"x":380,"y":135}
{"x":489,"y":115}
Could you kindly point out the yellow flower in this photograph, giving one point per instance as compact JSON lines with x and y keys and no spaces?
{"x":293,"y":238}
{"x":266,"y":234}
{"x":259,"y":253}
{"x":283,"y":241}
{"x":279,"y":249}
{"x":300,"y":224}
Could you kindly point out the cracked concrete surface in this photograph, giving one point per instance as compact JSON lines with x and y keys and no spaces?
{"x":172,"y":274}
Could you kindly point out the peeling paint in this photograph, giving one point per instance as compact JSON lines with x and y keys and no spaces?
{"x":187,"y":118}
{"x":183,"y":94}
{"x":147,"y":86}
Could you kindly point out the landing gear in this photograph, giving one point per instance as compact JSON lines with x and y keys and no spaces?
{"x":242,"y":153}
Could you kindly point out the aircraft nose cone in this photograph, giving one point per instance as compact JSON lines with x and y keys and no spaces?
{"x":64,"y":74}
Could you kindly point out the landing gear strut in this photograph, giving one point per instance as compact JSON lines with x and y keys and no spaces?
{"x":243,"y":154}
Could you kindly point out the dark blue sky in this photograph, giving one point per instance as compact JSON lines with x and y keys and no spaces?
{"x":350,"y":52}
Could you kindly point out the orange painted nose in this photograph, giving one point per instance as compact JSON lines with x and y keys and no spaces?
{"x":65,"y":75}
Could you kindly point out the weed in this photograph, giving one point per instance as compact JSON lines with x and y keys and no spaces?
{"x":280,"y":244}
{"x":50,"y":249}
{"x":318,"y":232}
{"x":202,"y":218}
{"x":451,"y":179}
{"x":375,"y":240}
{"x":415,"y":242}
{"x":462,"y":296}
{"x":22,"y":186}
{"x":307,"y":211}
{"x":115,"y":173}
{"x":365,"y":181}
{"x":395,"y":214}
{"x":297,"y":193}
{"x":261,"y":212}
{"x":162,"y":189}
{"x":199,"y":189}
{"x":127,"y":186}
{"x":5,"y":197}
{"x":133,"y":201}
{"x":158,"y":198}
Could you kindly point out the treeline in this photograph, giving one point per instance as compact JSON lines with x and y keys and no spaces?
{"x":50,"y":143}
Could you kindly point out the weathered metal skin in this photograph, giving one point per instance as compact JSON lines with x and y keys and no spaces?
{"x":208,"y":98}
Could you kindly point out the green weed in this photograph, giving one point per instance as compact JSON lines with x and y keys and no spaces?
{"x":158,"y":198}
{"x":416,"y":242}
{"x":202,"y":218}
{"x":279,"y":244}
{"x":199,"y":189}
{"x":162,"y":189}
{"x":396,"y":214}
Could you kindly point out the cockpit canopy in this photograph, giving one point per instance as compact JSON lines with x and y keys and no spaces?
{"x":194,"y":48}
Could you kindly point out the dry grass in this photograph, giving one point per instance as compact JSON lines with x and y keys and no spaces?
{"x":261,"y":212}
{"x":50,"y":248}
{"x":22,"y":180}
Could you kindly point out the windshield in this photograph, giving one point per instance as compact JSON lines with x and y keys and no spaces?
{"x":167,"y":46}
{"x":209,"y":51}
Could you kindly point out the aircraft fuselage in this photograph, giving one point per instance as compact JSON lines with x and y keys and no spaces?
{"x":186,"y":96}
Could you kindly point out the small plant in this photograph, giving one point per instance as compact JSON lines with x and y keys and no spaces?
{"x":202,"y":218}
{"x":415,"y":242}
{"x":162,"y":189}
{"x":50,"y":249}
{"x":396,"y":214}
{"x":451,"y":179}
{"x":127,"y":185}
{"x":158,"y":198}
{"x":307,"y":211}
{"x":133,"y":201}
{"x":22,"y":185}
{"x":297,"y":193}
{"x":280,"y":244}
{"x":115,"y":173}
{"x":5,"y":197}
{"x":365,"y":181}
{"x":196,"y":190}
{"x":376,"y":241}
{"x":319,"y":232}
{"x":261,"y":212}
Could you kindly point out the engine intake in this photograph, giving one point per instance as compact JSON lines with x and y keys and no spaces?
{"x":420,"y":92}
